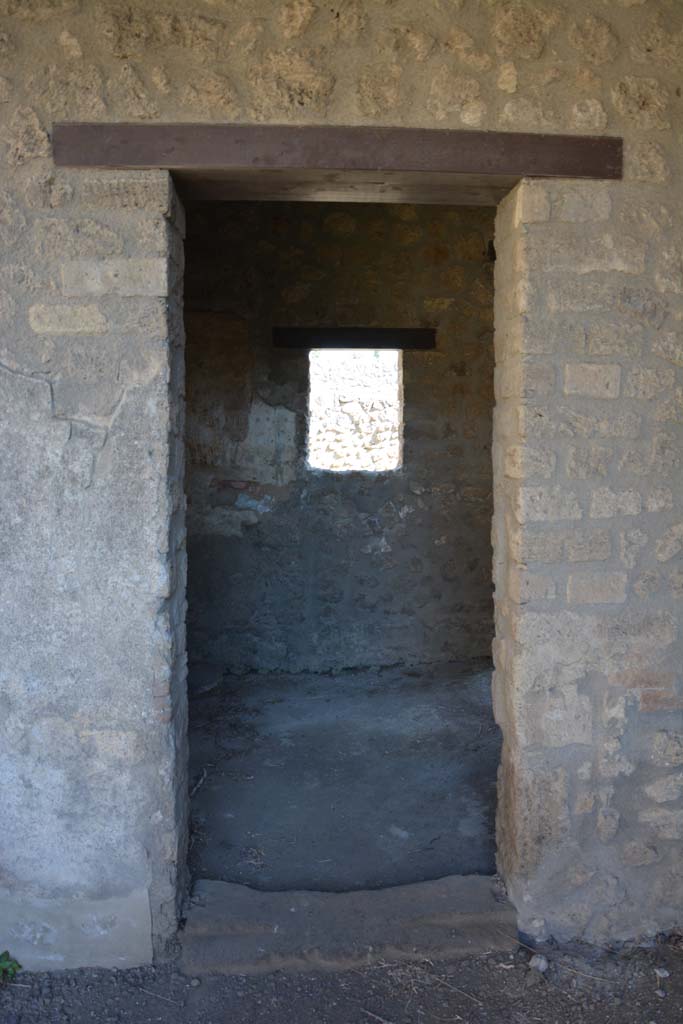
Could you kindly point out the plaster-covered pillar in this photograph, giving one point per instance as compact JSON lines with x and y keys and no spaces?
{"x":587,"y":540}
{"x":92,"y":751}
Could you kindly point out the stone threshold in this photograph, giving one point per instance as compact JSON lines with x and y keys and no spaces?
{"x":233,"y":929}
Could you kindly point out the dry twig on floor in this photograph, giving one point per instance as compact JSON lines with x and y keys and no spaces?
{"x":200,"y":782}
{"x":149,"y":992}
{"x":380,"y":1020}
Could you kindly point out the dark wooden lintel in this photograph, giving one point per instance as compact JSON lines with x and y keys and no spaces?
{"x":355,"y":337}
{"x":285,"y":161}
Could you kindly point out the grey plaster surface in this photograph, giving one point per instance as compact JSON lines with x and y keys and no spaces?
{"x":356,"y":781}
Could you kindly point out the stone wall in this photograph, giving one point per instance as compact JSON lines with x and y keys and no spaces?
{"x":588,"y":575}
{"x":86,"y":623}
{"x":92,"y":733}
{"x":297,"y":569}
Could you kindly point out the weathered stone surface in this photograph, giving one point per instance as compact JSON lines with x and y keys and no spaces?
{"x":115,"y":277}
{"x":455,"y":97}
{"x":597,"y":588}
{"x":667,"y":749}
{"x":100,"y":885}
{"x":520,"y":28}
{"x":581,"y":203}
{"x":638,"y":854}
{"x":589,"y":115}
{"x":594,"y":39}
{"x":61,"y":319}
{"x":646,"y":161}
{"x":611,"y":462}
{"x":594,"y":380}
{"x":84,"y":490}
{"x":540,"y":504}
{"x":642,"y":101}
{"x":585,"y":462}
{"x":669,"y":787}
{"x":606,"y":503}
{"x":289,"y":81}
{"x":646,"y":383}
{"x":665,"y":823}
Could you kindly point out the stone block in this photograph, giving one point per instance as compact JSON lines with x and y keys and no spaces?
{"x":524,"y":380}
{"x":654,"y":701}
{"x":613,"y":339}
{"x":665,"y":823}
{"x":150,"y":191}
{"x":126,"y":277}
{"x":592,"y":380}
{"x":631,"y":543}
{"x":68,"y":932}
{"x":525,"y":586}
{"x":666,"y":789}
{"x":607,"y":823}
{"x":606,"y":503}
{"x":587,"y":461}
{"x":582,"y":252}
{"x":637,"y":853}
{"x":612,"y":762}
{"x":659,"y":499}
{"x":63,"y":319}
{"x":583,"y":203}
{"x":645,"y":383}
{"x":670,"y":543}
{"x":76,"y":398}
{"x":546,"y":504}
{"x":560,"y":718}
{"x":669,"y":346}
{"x":532,"y":204}
{"x":534,"y":544}
{"x":667,"y":749}
{"x":597,"y":588}
{"x":588,"y":546}
{"x":524,"y":462}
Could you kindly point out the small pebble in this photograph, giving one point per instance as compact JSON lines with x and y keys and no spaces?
{"x":662,"y":972}
{"x":538,"y":963}
{"x":195,"y":983}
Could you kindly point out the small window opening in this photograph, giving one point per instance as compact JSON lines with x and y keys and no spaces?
{"x":355,"y":410}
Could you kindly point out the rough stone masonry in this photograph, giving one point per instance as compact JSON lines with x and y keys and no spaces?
{"x":588,"y":527}
{"x":296,"y":570}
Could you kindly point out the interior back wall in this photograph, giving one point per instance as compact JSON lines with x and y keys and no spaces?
{"x":294,"y":569}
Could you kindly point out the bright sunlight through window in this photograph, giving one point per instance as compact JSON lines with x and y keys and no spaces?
{"x":355,"y":410}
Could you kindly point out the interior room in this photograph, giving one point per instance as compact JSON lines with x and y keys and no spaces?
{"x":340,"y":610}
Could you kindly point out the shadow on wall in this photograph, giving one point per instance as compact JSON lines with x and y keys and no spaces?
{"x":300,"y":570}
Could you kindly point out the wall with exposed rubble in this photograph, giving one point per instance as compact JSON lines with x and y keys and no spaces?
{"x":293,"y":568}
{"x":591,"y":811}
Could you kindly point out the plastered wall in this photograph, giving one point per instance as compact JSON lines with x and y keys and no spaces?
{"x":293,"y":569}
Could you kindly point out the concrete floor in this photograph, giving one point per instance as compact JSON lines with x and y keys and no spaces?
{"x":333,"y":783}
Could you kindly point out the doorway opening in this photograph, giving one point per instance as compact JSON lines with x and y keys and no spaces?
{"x":340,"y":609}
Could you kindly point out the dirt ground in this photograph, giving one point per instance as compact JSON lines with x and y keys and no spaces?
{"x":588,"y":986}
